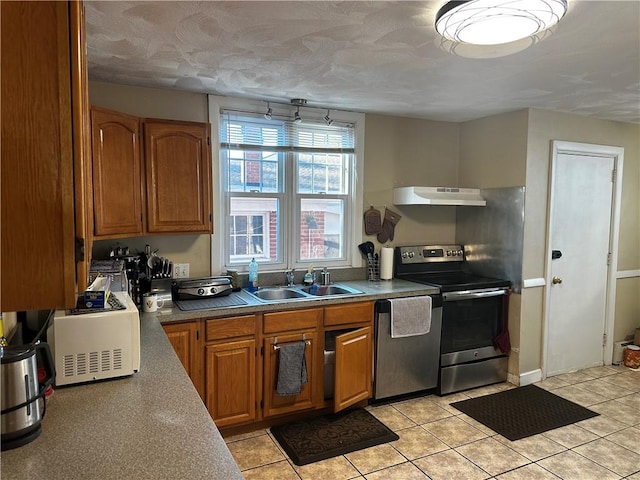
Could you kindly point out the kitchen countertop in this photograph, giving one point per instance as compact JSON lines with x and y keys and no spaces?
{"x":370,"y":291}
{"x":152,"y":425}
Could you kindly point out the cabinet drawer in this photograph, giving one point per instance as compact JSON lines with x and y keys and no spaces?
{"x":294,"y":320}
{"x":348,"y":313}
{"x":222,"y":328}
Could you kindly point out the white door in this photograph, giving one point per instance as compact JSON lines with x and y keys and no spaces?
{"x":580,"y":233}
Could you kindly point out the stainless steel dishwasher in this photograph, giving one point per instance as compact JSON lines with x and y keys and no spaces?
{"x":405,"y":365}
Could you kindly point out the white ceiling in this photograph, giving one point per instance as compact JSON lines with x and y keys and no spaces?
{"x":368,"y":56}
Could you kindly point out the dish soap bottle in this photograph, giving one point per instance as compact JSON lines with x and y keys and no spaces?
{"x":253,"y":275}
{"x":308,"y":278}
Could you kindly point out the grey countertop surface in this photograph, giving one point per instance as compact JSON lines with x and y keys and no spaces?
{"x":370,"y":291}
{"x":152,"y":425}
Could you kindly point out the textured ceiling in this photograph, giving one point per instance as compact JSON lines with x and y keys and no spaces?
{"x":369,"y":56}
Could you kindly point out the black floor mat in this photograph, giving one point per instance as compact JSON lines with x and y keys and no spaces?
{"x":324,"y":437}
{"x":523,"y":411}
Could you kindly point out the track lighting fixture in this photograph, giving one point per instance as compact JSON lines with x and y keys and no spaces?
{"x":269,"y":112}
{"x":296,"y":116}
{"x":328,"y":120}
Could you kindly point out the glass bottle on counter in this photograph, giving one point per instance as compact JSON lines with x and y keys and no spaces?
{"x":253,"y":275}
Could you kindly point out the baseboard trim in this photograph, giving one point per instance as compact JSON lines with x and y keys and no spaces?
{"x":528,"y":378}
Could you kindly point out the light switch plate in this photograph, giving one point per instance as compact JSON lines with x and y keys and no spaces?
{"x":180,"y":270}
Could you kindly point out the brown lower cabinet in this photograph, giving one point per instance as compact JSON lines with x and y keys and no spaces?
{"x":239,"y":367}
{"x":186,"y":339}
{"x":231,"y":357}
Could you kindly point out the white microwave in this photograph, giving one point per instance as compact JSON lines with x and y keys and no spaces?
{"x":90,"y":346}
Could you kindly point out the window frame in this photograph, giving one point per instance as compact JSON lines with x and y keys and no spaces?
{"x":289,"y":201}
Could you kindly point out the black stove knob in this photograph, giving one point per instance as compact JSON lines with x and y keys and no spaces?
{"x":201,"y":291}
{"x":212,"y":290}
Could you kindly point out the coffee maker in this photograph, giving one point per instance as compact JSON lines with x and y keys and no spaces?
{"x":23,"y":393}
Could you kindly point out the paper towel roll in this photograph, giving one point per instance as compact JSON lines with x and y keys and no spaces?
{"x":386,"y":263}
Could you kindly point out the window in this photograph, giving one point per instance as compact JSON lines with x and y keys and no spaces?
{"x":288,"y":191}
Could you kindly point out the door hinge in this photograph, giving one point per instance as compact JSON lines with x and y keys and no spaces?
{"x":79,"y":253}
{"x":604,"y":339}
{"x":208,"y":140}
{"x":197,"y":334}
{"x":613,"y":175}
{"x":609,"y":258}
{"x":261,"y":351}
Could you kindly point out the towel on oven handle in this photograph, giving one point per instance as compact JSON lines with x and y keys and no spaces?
{"x":410,"y":316}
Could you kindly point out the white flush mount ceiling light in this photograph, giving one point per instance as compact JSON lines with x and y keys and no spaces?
{"x":493,"y":22}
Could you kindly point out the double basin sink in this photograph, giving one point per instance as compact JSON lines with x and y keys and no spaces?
{"x":271,"y":294}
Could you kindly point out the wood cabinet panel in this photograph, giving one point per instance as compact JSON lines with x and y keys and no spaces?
{"x":223,"y":328}
{"x":292,"y":320}
{"x":274,"y":404}
{"x":178,"y":173}
{"x":117,"y":170}
{"x":348,"y":313}
{"x":186,"y":341}
{"x":37,"y":245}
{"x":231,"y":381}
{"x":353,"y":364}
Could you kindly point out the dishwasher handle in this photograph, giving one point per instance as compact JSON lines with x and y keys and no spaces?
{"x":471,"y":294}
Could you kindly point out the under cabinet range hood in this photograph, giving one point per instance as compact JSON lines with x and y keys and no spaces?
{"x":438,"y":196}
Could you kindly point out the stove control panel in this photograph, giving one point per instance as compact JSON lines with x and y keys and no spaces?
{"x":430,"y":253}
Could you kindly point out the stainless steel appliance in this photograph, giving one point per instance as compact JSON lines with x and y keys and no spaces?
{"x":205,"y":287}
{"x":23,"y":400}
{"x":474,"y":312}
{"x":409,"y":364}
{"x":96,"y":345}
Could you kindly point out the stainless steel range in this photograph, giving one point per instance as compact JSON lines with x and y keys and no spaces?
{"x":474,"y":315}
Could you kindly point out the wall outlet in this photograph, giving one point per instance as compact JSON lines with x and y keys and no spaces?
{"x":180,"y":270}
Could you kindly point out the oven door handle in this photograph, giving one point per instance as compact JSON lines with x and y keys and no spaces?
{"x":471,"y":294}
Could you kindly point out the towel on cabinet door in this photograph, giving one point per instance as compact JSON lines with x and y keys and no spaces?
{"x":292,"y":369}
{"x":410,"y":316}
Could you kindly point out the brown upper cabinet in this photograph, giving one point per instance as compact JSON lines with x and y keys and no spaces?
{"x":178,"y":172}
{"x":117,"y":173}
{"x":161,"y":184}
{"x":43,"y":87}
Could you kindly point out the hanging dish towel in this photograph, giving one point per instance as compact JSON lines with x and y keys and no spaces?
{"x":410,"y":316}
{"x":292,"y":371}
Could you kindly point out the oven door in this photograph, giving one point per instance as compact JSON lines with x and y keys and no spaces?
{"x":471,"y":320}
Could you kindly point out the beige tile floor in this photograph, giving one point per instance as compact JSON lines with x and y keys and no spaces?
{"x":438,"y":442}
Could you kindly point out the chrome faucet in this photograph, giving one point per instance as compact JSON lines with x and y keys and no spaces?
{"x":290,"y":277}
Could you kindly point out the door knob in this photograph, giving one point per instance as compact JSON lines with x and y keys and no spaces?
{"x":556,"y":280}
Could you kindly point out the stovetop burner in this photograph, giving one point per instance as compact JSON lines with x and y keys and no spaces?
{"x":455,"y":281}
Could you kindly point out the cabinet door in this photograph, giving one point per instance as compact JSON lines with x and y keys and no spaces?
{"x":354,"y":363}
{"x":178,"y":171}
{"x":186,"y":341}
{"x":37,"y":184}
{"x":231,"y":382}
{"x":117,"y":188}
{"x":275,"y":404}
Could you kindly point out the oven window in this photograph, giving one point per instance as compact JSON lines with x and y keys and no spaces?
{"x":470,"y":324}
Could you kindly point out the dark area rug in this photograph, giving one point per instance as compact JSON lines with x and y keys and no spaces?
{"x":523,"y":411}
{"x":324,"y":437}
